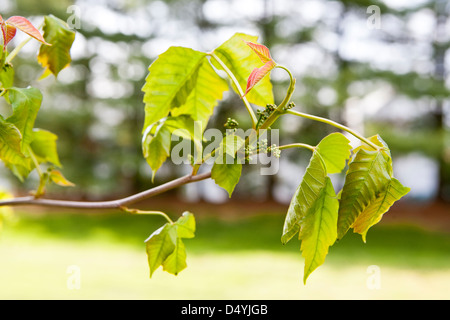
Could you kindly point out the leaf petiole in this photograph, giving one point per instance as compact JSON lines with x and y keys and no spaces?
{"x":238,"y":87}
{"x":297,"y":145}
{"x":137,"y":211}
{"x":334,"y":124}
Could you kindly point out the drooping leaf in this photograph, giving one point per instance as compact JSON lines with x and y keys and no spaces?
{"x":330,"y":156}
{"x":172,"y":77}
{"x":206,"y":93}
{"x":318,"y":231}
{"x":335,"y":150}
{"x":241,"y":60}
{"x":373,"y":213}
{"x":157,"y":138}
{"x":165,"y":247}
{"x":6,"y":76}
{"x":25,"y":103}
{"x":305,"y":197}
{"x":186,"y":225}
{"x":57,"y":177}
{"x":156,"y":147}
{"x":10,"y":143}
{"x":176,"y":261}
{"x":57,"y":56}
{"x":24,"y":25}
{"x":227,"y":168}
{"x":44,"y":146}
{"x":227,"y":175}
{"x":160,"y":245}
{"x":368,"y":176}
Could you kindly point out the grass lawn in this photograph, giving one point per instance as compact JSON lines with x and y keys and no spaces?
{"x":242,"y":258}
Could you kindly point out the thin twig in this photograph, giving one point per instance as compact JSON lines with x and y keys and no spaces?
{"x":112,"y":204}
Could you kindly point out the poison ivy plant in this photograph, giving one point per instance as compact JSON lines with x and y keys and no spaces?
{"x":181,"y":91}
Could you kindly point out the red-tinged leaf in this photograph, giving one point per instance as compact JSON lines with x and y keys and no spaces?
{"x":261,"y":50}
{"x":25,"y":26}
{"x":259,"y":73}
{"x":8,"y":33}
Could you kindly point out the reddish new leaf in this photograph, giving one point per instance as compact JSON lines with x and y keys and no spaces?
{"x":261,"y":50}
{"x":8,"y":33}
{"x":25,"y":26}
{"x":259,"y":73}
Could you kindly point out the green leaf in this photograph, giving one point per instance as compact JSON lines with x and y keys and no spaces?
{"x":186,"y":225}
{"x":57,"y":56}
{"x":157,"y":138}
{"x":305,"y":197}
{"x":10,"y":143}
{"x":44,"y":146}
{"x":6,"y":76}
{"x":330,"y":156}
{"x":373,"y":213}
{"x":208,"y":89}
{"x":227,"y":175}
{"x":57,"y":177}
{"x":335,"y":150}
{"x":227,"y":168}
{"x":156,"y":147}
{"x":368,"y":176}
{"x":241,"y":60}
{"x":160,"y":246}
{"x":318,"y":230}
{"x":172,"y":77}
{"x":25,"y":103}
{"x":165,"y":247}
{"x":176,"y":261}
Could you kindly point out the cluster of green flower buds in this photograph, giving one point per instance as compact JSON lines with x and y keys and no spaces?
{"x":231,"y":124}
{"x":264,"y":114}
{"x":289,"y":106}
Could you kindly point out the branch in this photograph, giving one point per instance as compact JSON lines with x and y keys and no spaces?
{"x":112,"y":204}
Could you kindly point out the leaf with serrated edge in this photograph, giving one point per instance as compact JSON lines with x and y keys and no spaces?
{"x":206,"y":93}
{"x":172,"y":77}
{"x":319,"y":229}
{"x":160,"y":245}
{"x":56,"y":57}
{"x":373,"y":213}
{"x":368,"y":176}
{"x":335,"y":150}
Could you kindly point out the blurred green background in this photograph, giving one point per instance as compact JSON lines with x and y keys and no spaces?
{"x":390,"y":79}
